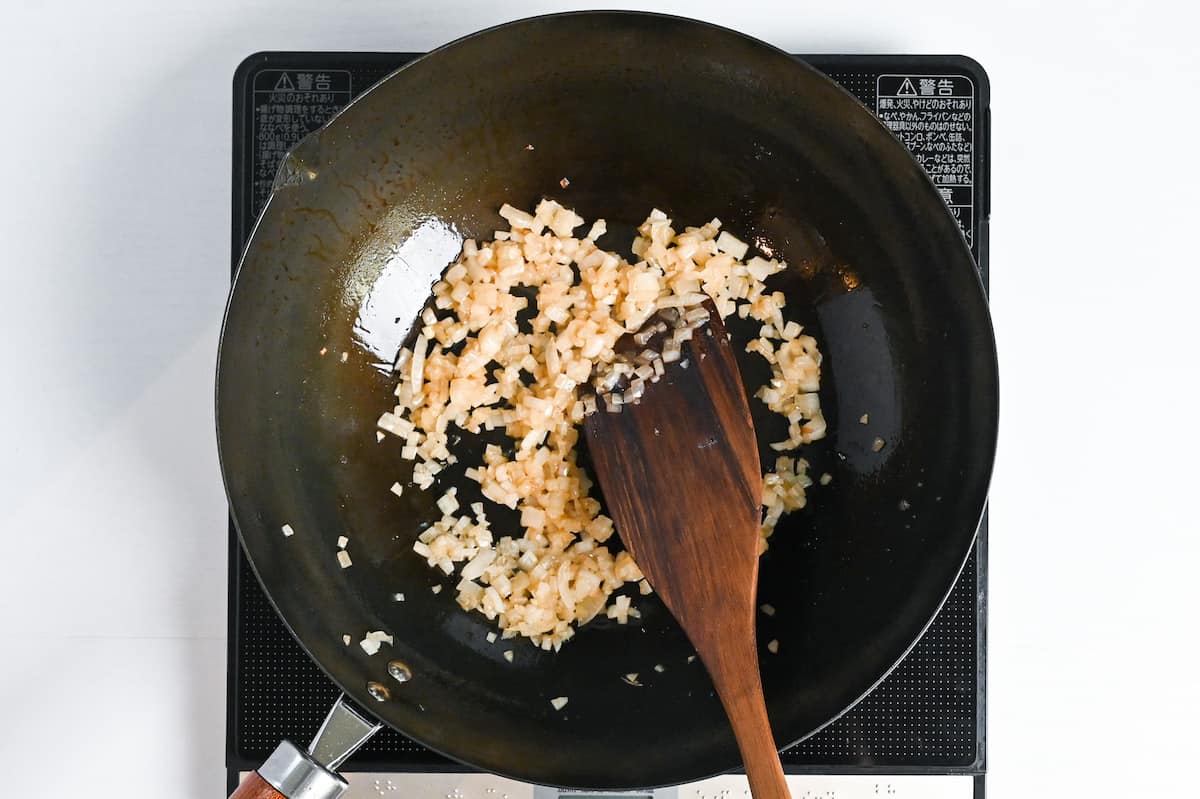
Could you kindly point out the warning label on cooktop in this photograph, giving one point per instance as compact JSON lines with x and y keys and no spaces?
{"x":288,"y":105}
{"x":934,"y":115}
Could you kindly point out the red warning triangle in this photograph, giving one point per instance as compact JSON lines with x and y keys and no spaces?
{"x":906,"y":89}
{"x":284,"y":84}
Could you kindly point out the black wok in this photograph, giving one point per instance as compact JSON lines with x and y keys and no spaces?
{"x":637,"y":111}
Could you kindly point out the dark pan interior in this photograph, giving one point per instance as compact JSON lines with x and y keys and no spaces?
{"x":637,"y":111}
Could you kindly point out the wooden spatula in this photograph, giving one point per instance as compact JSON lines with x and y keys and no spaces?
{"x":681,"y":477}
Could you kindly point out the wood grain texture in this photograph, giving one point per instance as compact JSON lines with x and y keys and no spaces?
{"x":255,"y":787}
{"x":681,"y":477}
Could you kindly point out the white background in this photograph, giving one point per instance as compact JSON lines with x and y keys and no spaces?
{"x":114,"y":253}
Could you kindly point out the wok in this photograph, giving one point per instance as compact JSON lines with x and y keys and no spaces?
{"x":636,"y":111}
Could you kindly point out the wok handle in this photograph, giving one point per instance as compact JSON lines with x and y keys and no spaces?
{"x":291,"y":773}
{"x":255,"y":787}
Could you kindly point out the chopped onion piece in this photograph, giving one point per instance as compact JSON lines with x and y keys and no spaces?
{"x":518,"y":218}
{"x":728,"y":243}
{"x":559,"y":702}
{"x":342,"y":541}
{"x":344,"y":558}
{"x":418,"y":361}
{"x":288,"y":531}
{"x":478,"y":564}
{"x":447,"y":504}
{"x":402,"y":359}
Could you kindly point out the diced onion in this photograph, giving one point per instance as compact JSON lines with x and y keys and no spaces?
{"x":526,"y":335}
{"x":728,"y":243}
{"x":447,"y":504}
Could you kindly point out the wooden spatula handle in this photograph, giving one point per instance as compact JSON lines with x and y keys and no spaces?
{"x":255,"y":787}
{"x":747,"y":711}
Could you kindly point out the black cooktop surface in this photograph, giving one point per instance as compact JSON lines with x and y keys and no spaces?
{"x":927,"y":716}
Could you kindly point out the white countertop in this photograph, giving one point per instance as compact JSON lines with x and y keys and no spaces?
{"x":114,"y":220}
